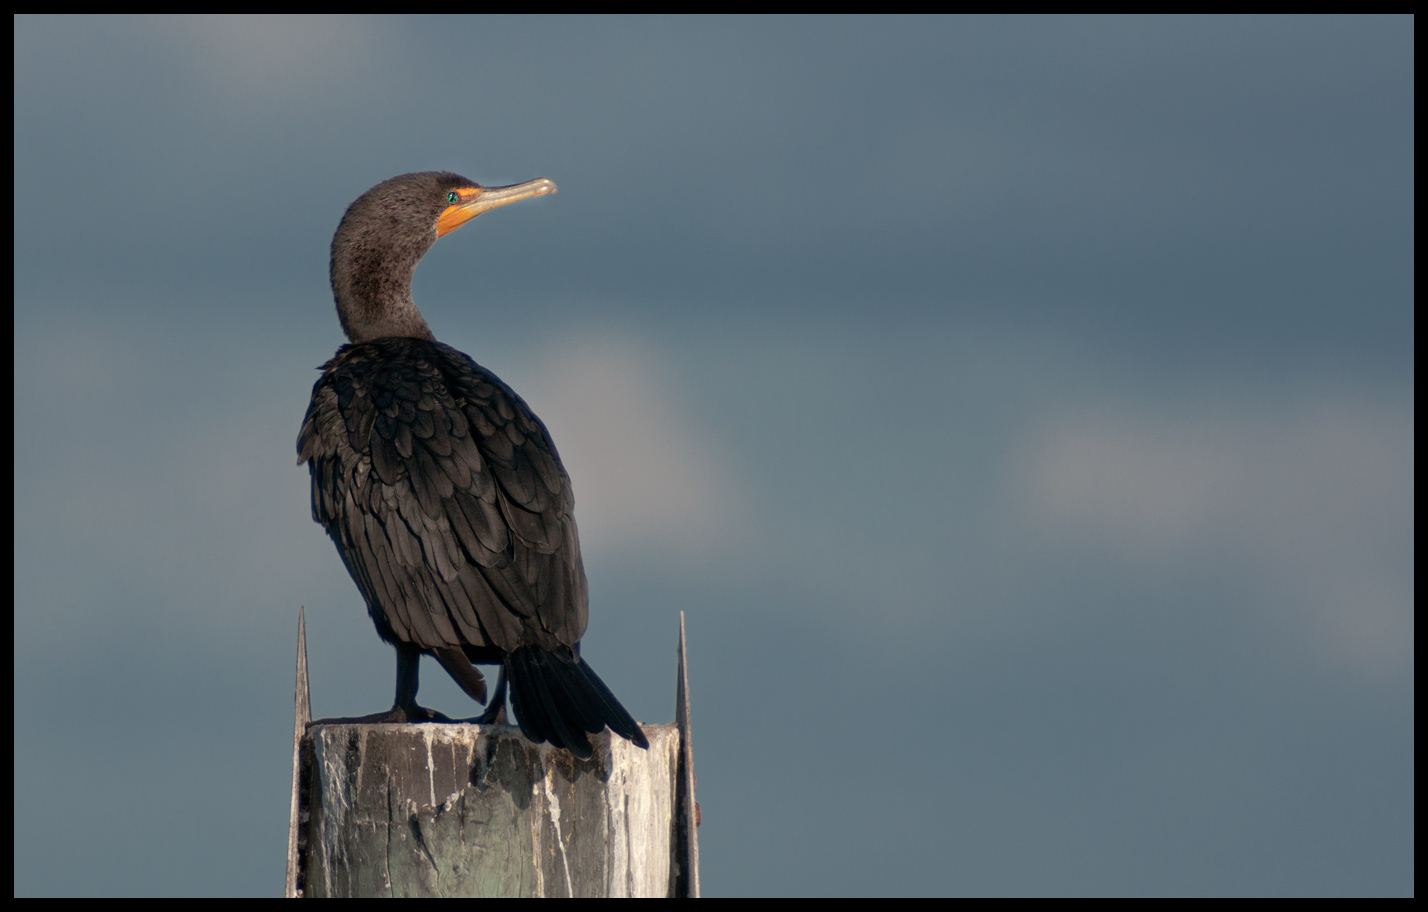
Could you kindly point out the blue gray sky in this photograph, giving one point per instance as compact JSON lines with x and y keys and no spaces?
{"x":1020,"y":410}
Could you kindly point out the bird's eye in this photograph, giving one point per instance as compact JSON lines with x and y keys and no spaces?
{"x":453,"y":197}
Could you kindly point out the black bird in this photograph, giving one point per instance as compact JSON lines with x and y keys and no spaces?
{"x":442,"y":490}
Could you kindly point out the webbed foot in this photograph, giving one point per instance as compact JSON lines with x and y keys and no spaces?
{"x":397,"y":714}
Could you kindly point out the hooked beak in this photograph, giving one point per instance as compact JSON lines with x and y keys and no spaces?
{"x":476,"y":200}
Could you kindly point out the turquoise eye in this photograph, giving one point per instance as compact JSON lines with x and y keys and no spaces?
{"x":453,"y":198}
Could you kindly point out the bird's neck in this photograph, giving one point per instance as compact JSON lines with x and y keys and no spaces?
{"x":363,"y":321}
{"x":374,"y":298}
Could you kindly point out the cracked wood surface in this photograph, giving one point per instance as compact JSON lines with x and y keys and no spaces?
{"x":467,"y":810}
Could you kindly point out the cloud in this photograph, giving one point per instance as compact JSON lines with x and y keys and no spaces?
{"x":259,"y":61}
{"x":1313,"y":497}
{"x":645,"y":475}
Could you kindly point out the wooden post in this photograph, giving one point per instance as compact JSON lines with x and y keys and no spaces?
{"x":477,"y":810}
{"x":302,"y":715}
{"x":686,"y":843}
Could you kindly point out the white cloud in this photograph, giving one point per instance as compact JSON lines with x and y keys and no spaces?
{"x":260,"y":61}
{"x":1314,"y":497}
{"x":644,"y":474}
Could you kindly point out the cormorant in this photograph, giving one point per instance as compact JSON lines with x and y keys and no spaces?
{"x":442,"y":490}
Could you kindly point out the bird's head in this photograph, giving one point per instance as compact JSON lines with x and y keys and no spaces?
{"x":386,"y":232}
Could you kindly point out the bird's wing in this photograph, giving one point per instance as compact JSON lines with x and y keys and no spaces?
{"x":446,"y":499}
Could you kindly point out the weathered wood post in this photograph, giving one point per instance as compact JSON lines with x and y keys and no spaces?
{"x":477,"y":810}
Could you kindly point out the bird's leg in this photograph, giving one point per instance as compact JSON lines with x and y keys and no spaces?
{"x":408,"y":676}
{"x":495,"y":713}
{"x":405,"y":709}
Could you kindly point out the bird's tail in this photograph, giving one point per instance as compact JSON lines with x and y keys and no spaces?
{"x":559,"y":700}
